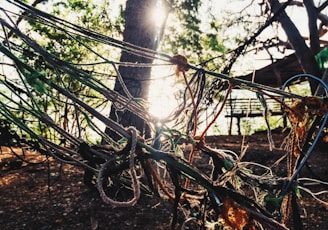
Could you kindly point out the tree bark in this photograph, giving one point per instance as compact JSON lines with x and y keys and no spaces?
{"x":313,"y":28}
{"x":139,"y":30}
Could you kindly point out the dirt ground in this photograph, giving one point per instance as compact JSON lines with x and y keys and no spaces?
{"x":52,"y":195}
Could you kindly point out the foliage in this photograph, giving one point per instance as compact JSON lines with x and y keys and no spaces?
{"x":76,"y":49}
{"x":187,"y":33}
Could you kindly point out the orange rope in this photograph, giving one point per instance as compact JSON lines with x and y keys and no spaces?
{"x":218,"y":113}
{"x":191,"y":155}
{"x":158,"y":180}
{"x":192,"y":101}
{"x":182,"y":67}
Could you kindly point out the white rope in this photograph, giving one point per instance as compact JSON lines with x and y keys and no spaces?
{"x":132,"y":172}
{"x":121,"y":81}
{"x":315,"y":195}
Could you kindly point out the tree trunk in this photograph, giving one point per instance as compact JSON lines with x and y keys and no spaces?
{"x":303,"y":53}
{"x":313,"y":28}
{"x":139,"y":30}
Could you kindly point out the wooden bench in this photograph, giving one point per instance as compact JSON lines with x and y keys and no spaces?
{"x":250,"y":107}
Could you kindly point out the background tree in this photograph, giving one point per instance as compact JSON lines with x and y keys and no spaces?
{"x":141,"y":31}
{"x":305,"y":54}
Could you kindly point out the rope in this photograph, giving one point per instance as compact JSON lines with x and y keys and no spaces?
{"x":140,"y":51}
{"x":132,"y":171}
{"x":78,"y":30}
{"x":263,"y":102}
{"x":125,"y":102}
{"x":218,"y":113}
{"x":121,"y":81}
{"x":316,"y":139}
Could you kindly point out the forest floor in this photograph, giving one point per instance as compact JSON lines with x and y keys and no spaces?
{"x":52,"y":195}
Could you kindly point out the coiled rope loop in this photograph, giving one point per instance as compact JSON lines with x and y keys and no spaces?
{"x":132,"y":172}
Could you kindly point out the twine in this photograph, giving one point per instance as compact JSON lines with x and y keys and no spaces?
{"x":132,"y":172}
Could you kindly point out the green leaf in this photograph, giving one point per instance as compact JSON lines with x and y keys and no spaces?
{"x":33,"y":79}
{"x":275,"y":201}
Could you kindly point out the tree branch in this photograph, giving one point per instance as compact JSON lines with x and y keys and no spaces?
{"x":20,"y":18}
{"x":313,"y":29}
{"x":238,"y":51}
{"x":303,"y":53}
{"x":323,"y":6}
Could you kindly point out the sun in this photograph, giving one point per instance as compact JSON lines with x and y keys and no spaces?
{"x":159,"y":14}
